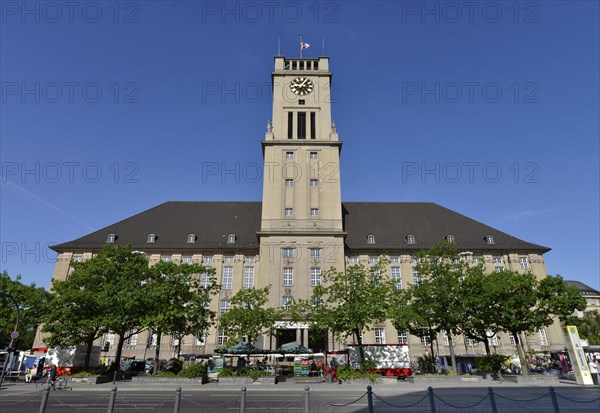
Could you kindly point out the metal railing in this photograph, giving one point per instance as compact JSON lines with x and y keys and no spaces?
{"x":430,"y":402}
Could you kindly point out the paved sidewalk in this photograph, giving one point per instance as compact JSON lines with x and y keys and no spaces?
{"x":215,"y":387}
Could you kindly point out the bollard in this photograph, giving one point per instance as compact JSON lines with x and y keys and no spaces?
{"x":307,"y":399}
{"x":370,"y":398}
{"x":554,"y":401}
{"x":177,"y":400}
{"x":492,"y":400}
{"x":431,"y":399}
{"x":113,"y":397}
{"x":44,"y":402}
{"x":243,"y":401}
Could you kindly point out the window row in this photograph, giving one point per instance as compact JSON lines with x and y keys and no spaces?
{"x":289,"y":252}
{"x":291,"y":182}
{"x":289,"y":212}
{"x":411,"y":239}
{"x":151,"y":238}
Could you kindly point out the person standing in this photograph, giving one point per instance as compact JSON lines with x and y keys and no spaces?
{"x":593,"y":364}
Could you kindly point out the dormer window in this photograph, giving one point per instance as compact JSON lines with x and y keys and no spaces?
{"x":231,"y":239}
{"x":151,"y":238}
{"x":370,"y":239}
{"x":450,"y":238}
{"x":410,"y":239}
{"x":489,"y":239}
{"x":191,"y":238}
{"x":111,"y":238}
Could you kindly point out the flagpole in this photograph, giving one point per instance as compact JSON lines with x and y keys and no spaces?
{"x":300,"y":46}
{"x":279,"y":46}
{"x":323,"y":39}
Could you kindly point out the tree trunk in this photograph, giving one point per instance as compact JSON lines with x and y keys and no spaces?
{"x":157,"y":351}
{"x":88,"y":353}
{"x":486,"y":343}
{"x":522,"y":359}
{"x":119,"y":350}
{"x":452,"y":356}
{"x":361,"y":350}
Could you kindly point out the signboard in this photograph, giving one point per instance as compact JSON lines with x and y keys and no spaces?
{"x":14,"y":334}
{"x":577,"y":356}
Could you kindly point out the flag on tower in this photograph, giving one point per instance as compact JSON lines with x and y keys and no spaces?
{"x":304,"y":45}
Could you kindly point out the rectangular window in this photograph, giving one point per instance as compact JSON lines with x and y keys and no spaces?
{"x":225,"y":305}
{"x":248,"y":277}
{"x":287,"y":252}
{"x":301,"y":125}
{"x":165,"y":259}
{"x":77,"y":258}
{"x":314,"y":212}
{"x":523,"y":263}
{"x":132,"y":340}
{"x":205,"y":278}
{"x":315,"y":252}
{"x":315,"y":277}
{"x":373,"y":260}
{"x":395,"y":260}
{"x":353,"y":260}
{"x":511,"y":339}
{"x":250,"y":259}
{"x":286,"y":301}
{"x":314,"y":155}
{"x":492,"y":341}
{"x":175,"y":342}
{"x":110,"y":338}
{"x":289,"y":212}
{"x":288,"y":277}
{"x":289,"y":155}
{"x":289,"y":182}
{"x":207,"y":259}
{"x":425,"y":341}
{"x":313,"y":125}
{"x":403,"y":337}
{"x":314,"y":182}
{"x":542,"y":337}
{"x":227,"y":278}
{"x":379,"y":335}
{"x":153,"y":340}
{"x":200,"y":341}
{"x":221,"y":338}
{"x":498,"y":268}
{"x":186,"y":259}
{"x":228,"y":259}
{"x":446,"y":342}
{"x":417,"y":279}
{"x":498,"y":260}
{"x":469,"y":342}
{"x":301,"y":102}
{"x":290,"y":125}
{"x":476,"y":260}
{"x":397,"y":277}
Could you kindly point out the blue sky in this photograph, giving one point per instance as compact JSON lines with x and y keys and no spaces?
{"x":110,"y":108}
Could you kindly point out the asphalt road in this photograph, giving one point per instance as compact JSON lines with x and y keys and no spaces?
{"x":212,"y":398}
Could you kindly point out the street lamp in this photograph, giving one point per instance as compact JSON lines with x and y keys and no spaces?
{"x":13,"y":335}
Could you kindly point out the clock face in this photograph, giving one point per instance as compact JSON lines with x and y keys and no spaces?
{"x":301,"y":86}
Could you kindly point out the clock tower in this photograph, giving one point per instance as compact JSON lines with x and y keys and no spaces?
{"x":301,"y":232}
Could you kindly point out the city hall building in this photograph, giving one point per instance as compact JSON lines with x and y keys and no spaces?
{"x":301,"y":229}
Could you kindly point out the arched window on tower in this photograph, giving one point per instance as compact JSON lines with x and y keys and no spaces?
{"x":231,"y":239}
{"x":370,"y":239}
{"x":151,"y":238}
{"x":410,"y":239}
{"x":191,"y":238}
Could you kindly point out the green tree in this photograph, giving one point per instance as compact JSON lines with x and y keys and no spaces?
{"x":483,"y":300}
{"x":530,"y":304}
{"x":248,"y":315}
{"x":76,"y":313}
{"x":32,"y":302}
{"x":179,"y":301}
{"x":589,"y":327}
{"x":439,"y":297}
{"x":349,"y":302}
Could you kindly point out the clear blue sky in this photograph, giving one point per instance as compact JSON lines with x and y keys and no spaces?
{"x":494,"y":89}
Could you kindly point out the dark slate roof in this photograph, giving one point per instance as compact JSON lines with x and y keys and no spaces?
{"x":211,"y":222}
{"x":391,"y":222}
{"x":172,"y":222}
{"x":584,"y":289}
